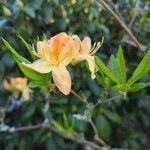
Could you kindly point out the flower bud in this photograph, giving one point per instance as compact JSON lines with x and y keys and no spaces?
{"x":19,"y":4}
{"x":6,"y":12}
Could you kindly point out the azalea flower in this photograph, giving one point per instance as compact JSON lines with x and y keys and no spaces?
{"x":54,"y":55}
{"x":86,"y":53}
{"x":17,"y":85}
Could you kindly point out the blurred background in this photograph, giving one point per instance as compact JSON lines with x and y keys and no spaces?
{"x":123,"y":124}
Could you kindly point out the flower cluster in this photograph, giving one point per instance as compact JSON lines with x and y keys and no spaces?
{"x":58,"y":52}
{"x":17,"y":85}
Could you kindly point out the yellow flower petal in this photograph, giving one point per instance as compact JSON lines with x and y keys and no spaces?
{"x":85,"y":46}
{"x":19,"y":83}
{"x":91,"y":62}
{"x":26,"y":93}
{"x":70,"y":50}
{"x":57,"y":42}
{"x":59,"y":50}
{"x":44,"y":51}
{"x":40,"y":65}
{"x":62,"y":79}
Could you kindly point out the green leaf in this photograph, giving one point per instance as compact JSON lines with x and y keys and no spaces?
{"x":117,"y":66}
{"x":105,"y":70}
{"x":30,"y":111}
{"x":121,"y":87}
{"x":58,"y":126}
{"x":15,"y":55}
{"x":59,"y":100}
{"x":50,"y":144}
{"x":114,"y":68}
{"x":29,"y":48}
{"x":94,"y":88}
{"x":65,"y":121}
{"x":30,"y":73}
{"x":142,"y":69}
{"x":39,"y":80}
{"x":113,"y":116}
{"x":121,"y":65}
{"x":139,"y":86}
{"x":103,"y":127}
{"x":72,"y":125}
{"x":130,"y":88}
{"x":100,"y":80}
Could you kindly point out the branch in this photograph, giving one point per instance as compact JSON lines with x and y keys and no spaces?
{"x":135,"y":13}
{"x":122,"y":23}
{"x":69,"y":137}
{"x":99,"y":140}
{"x":109,"y":100}
{"x":63,"y":135}
{"x":78,"y":96}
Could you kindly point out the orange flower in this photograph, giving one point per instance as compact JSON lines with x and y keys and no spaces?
{"x":85,"y":53}
{"x":55,"y":54}
{"x":18,"y":85}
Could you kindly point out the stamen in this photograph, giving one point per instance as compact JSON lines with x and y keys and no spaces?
{"x":97,"y":46}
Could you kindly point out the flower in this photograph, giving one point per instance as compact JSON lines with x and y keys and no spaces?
{"x":55,"y":54}
{"x":85,"y":53}
{"x":17,"y":85}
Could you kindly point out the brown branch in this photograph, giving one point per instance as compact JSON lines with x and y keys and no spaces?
{"x":122,"y":23}
{"x":69,"y":137}
{"x":135,"y":13}
{"x":63,"y":135}
{"x":99,"y":140}
{"x":73,"y":138}
{"x":78,"y":96}
{"x":108,"y":100}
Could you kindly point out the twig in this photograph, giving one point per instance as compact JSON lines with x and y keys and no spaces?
{"x":115,"y":8}
{"x":108,"y":100}
{"x":135,"y":13}
{"x":78,"y":96}
{"x":122,"y":23}
{"x":63,"y":135}
{"x":96,"y":134}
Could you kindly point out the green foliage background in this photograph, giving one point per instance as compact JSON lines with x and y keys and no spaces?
{"x":123,"y":123}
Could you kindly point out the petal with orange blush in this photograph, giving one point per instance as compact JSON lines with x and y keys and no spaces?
{"x":40,"y":65}
{"x":69,"y":51}
{"x":55,"y":43}
{"x":85,"y":46}
{"x":62,"y":79}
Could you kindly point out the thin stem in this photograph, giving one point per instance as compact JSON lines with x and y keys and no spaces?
{"x":99,"y":140}
{"x":115,"y":8}
{"x":135,"y":13}
{"x":63,"y":135}
{"x":122,"y":23}
{"x":73,"y":138}
{"x":78,"y":96}
{"x":108,"y":100}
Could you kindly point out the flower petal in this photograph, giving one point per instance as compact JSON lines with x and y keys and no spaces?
{"x":6,"y":85}
{"x":85,"y":46}
{"x":62,"y":79}
{"x":56,"y":43}
{"x":91,"y":62}
{"x":44,"y":51}
{"x":70,"y":49}
{"x":40,"y":66}
{"x":26,"y":93}
{"x":19,"y":83}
